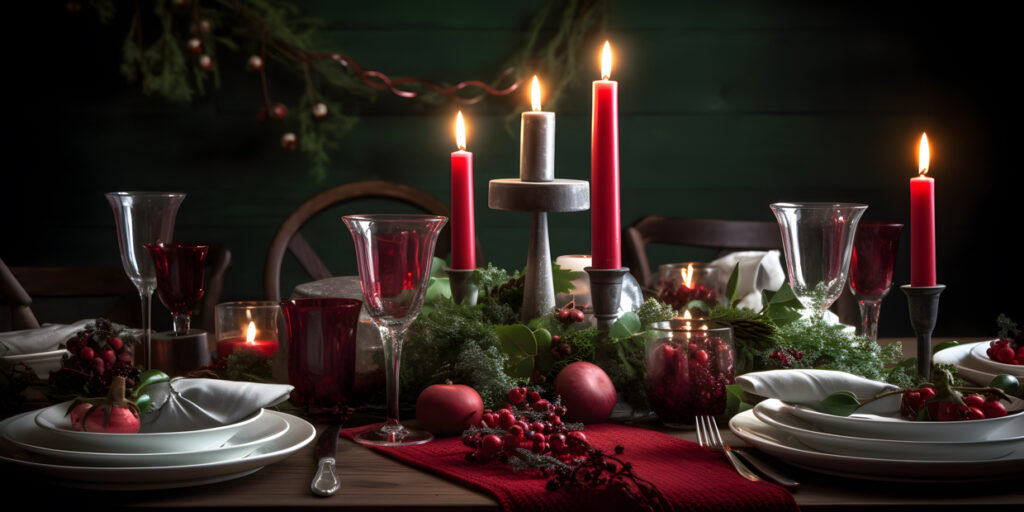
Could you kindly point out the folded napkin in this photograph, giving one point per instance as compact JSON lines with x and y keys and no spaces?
{"x":43,"y":339}
{"x":759,"y":270}
{"x":191,"y":404}
{"x":691,"y":477}
{"x":809,"y":387}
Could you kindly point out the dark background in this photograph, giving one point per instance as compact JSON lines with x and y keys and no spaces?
{"x":725,"y":108}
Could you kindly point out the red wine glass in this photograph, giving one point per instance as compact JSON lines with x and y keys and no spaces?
{"x":871,"y":267}
{"x":179,"y":279}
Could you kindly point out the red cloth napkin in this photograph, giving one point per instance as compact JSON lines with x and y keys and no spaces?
{"x":691,"y":477}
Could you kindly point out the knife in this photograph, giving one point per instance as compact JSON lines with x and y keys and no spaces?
{"x":772,"y":473}
{"x":325,"y":482}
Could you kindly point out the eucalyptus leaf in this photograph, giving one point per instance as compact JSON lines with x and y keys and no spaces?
{"x":543,"y":337}
{"x":698,"y":304}
{"x":841,"y":403}
{"x":521,"y":368}
{"x":517,"y":340}
{"x":627,"y":325}
{"x":437,"y":266}
{"x":437,"y":289}
{"x":730,"y":288}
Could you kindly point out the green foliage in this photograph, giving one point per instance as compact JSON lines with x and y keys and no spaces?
{"x":489,"y":280}
{"x":840,"y":403}
{"x":653,"y":311}
{"x":828,"y":346}
{"x":248,"y":365}
{"x":1007,"y":327}
{"x":563,"y":278}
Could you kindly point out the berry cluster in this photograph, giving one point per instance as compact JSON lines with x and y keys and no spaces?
{"x":688,"y":379}
{"x":1008,"y":350}
{"x":679,"y":295}
{"x":99,"y":355}
{"x":974,"y":407}
{"x":559,"y":349}
{"x":526,"y":422}
{"x":570,"y":313}
{"x":782,"y":356}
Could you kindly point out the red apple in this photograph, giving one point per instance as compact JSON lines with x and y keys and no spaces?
{"x":448,"y":409}
{"x":587,"y":392}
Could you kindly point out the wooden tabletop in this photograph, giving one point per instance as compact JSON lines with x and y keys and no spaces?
{"x":374,"y":482}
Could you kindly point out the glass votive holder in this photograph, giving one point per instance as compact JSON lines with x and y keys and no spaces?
{"x":680,"y":283}
{"x":686,"y":371}
{"x":248,"y":325}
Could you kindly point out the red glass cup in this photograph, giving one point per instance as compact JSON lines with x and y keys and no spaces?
{"x":322,"y":353}
{"x":871,"y":267}
{"x":179,"y":279}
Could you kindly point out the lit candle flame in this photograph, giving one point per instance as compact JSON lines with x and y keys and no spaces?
{"x":250,"y":333}
{"x":535,"y":93}
{"x":923,"y":156}
{"x":687,"y":276}
{"x":460,"y":131}
{"x":606,"y":61}
{"x":704,"y":327}
{"x":687,"y":315}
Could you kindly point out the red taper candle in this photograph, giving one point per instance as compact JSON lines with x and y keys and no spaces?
{"x":605,"y":231}
{"x":463,"y":232}
{"x":922,"y":222}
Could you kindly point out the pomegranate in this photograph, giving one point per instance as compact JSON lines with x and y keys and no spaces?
{"x":114,"y":414}
{"x":448,"y":409}
{"x":587,"y":392}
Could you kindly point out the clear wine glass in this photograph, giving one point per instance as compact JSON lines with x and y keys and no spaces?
{"x":143,"y":218}
{"x":179,"y":279}
{"x":817,"y":239}
{"x":394,"y":255}
{"x":874,"y":257}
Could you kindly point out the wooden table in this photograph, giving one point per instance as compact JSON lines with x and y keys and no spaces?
{"x":374,"y":482}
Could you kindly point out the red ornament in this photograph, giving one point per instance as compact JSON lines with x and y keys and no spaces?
{"x":319,"y":111}
{"x":255,"y":63}
{"x":448,"y":409}
{"x":194,"y":45}
{"x":205,"y":62}
{"x":278,"y":111}
{"x":587,"y":392}
{"x":289,"y":141}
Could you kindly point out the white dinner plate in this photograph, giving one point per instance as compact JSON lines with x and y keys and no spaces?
{"x":979,"y":356}
{"x":42,"y":363}
{"x":788,"y":448}
{"x":960,"y":357}
{"x":29,"y":436}
{"x":779,"y":415}
{"x":299,"y":434}
{"x":56,"y":420}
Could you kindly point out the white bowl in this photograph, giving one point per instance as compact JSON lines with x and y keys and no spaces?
{"x":979,"y":355}
{"x":42,"y":363}
{"x":56,"y":420}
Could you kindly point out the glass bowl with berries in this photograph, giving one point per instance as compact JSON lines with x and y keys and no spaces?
{"x":686,"y":371}
{"x":679,"y":284}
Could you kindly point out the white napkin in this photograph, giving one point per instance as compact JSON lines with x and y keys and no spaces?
{"x":809,"y":387}
{"x":43,"y":339}
{"x":759,"y":270}
{"x":191,"y":404}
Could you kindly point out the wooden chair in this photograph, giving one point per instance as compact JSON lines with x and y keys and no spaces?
{"x":289,"y":238}
{"x":725,"y":235}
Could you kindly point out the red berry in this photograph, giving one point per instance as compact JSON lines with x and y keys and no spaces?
{"x":194,"y":45}
{"x":557,"y":442}
{"x":532,"y":396}
{"x":516,"y":395}
{"x":509,"y":443}
{"x":125,"y":358}
{"x":700,"y":356}
{"x":491,"y":444}
{"x":506,"y":421}
{"x":993,"y":409}
{"x":927,"y":393}
{"x":951,"y":411}
{"x":537,"y":427}
{"x":279,"y":111}
{"x":540,"y":447}
{"x":86,"y":354}
{"x":517,"y":431}
{"x":1005,"y":354}
{"x":974,"y":413}
{"x":541,"y":406}
{"x":974,"y":401}
{"x":289,"y":141}
{"x":562,"y":314}
{"x":205,"y":63}
{"x":319,"y":111}
{"x":115,"y":343}
{"x":255,"y":63}
{"x":576,"y":315}
{"x":108,"y":356}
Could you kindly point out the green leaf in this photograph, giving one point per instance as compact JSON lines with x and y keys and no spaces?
{"x":517,"y":341}
{"x":781,"y":314}
{"x":627,"y":325}
{"x":521,"y":368}
{"x":543,"y":337}
{"x":148,"y":377}
{"x":786,"y":297}
{"x":437,"y":266}
{"x":544,"y":361}
{"x":923,"y":415}
{"x":563,"y":278}
{"x":698,"y":304}
{"x":944,"y":345}
{"x":438,"y":288}
{"x":730,"y":288}
{"x":143,"y":402}
{"x":735,"y":399}
{"x":841,"y":403}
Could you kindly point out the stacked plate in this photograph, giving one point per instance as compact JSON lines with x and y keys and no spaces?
{"x":44,"y":441}
{"x":973,"y":363}
{"x":884,"y":447}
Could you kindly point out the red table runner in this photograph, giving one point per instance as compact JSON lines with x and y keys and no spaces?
{"x":691,"y":477}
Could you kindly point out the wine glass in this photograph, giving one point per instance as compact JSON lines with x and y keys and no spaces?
{"x":179,"y":279}
{"x":817,"y":239}
{"x":394,"y":256}
{"x":143,"y":218}
{"x":871,"y":267}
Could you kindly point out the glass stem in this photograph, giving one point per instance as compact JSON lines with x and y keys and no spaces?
{"x":182,"y":324}
{"x":392,"y":339}
{"x":146,"y":296}
{"x":869,"y":318}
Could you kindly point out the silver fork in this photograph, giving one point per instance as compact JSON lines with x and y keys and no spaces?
{"x":709,"y":437}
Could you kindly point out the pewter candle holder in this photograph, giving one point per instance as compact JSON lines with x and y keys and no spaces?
{"x":924,"y":310}
{"x":463,"y":291}
{"x":605,"y":294}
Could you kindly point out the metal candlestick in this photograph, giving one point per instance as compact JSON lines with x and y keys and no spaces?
{"x":605,"y":294}
{"x":924,"y":310}
{"x":178,"y":354}
{"x":463,"y":292}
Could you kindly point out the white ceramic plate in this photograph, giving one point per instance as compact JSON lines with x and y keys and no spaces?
{"x":960,"y":357}
{"x":299,"y":434}
{"x":979,"y":356}
{"x":40,"y":362}
{"x":778,"y":415}
{"x":29,"y":436}
{"x":788,"y":448}
{"x":896,"y":428}
{"x":57,"y":422}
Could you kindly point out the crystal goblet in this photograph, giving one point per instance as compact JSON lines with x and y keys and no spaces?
{"x":817,"y":239}
{"x":394,"y":255}
{"x":143,"y":218}
{"x":179,"y":279}
{"x":874,"y":257}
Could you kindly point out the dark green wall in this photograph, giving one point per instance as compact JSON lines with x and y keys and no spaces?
{"x":726,"y":107}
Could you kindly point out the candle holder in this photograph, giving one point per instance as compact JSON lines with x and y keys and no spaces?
{"x":605,"y":294}
{"x":177,"y":354}
{"x":924,"y":310}
{"x":539,"y":198}
{"x":233,"y":320}
{"x":463,"y":291}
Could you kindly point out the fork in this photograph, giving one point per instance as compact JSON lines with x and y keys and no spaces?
{"x":709,"y":437}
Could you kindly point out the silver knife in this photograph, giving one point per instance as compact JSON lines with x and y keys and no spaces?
{"x":768,"y":471}
{"x":325,"y":482}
